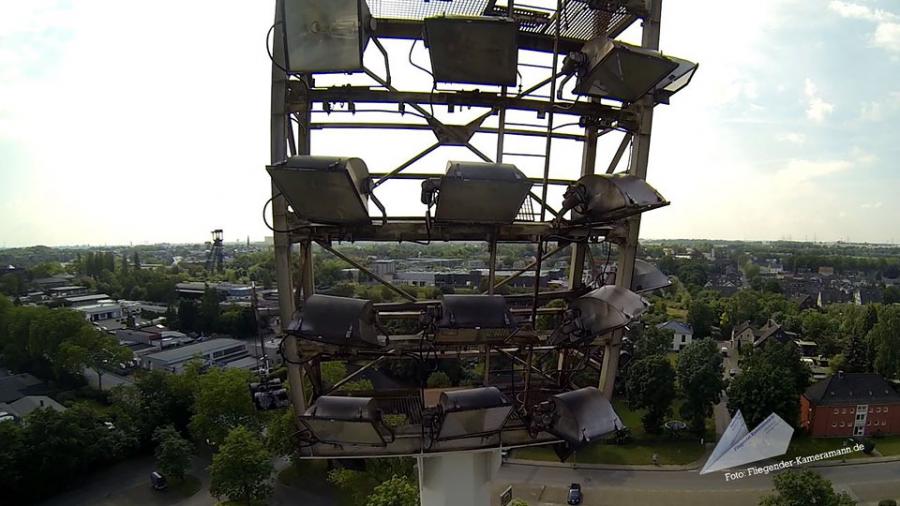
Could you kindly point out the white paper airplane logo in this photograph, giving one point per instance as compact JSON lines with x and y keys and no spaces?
{"x":738,"y":446}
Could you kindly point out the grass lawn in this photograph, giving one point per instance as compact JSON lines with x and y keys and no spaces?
{"x":679,"y":451}
{"x":678,"y":314}
{"x":308,"y":474}
{"x":802,"y":445}
{"x":888,"y":446}
{"x":187,"y":487}
{"x":237,"y":503}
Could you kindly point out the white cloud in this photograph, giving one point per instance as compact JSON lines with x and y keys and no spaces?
{"x":857,"y":11}
{"x":878,"y":110}
{"x":816,"y":107}
{"x":799,"y":170}
{"x":887,"y":36}
{"x":872,"y":205}
{"x":792,"y":137}
{"x":887,"y":24}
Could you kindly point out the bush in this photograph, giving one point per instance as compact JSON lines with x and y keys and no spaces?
{"x":868,"y":446}
{"x":887,"y":502}
{"x":438,"y":379}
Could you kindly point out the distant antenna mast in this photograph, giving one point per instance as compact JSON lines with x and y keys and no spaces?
{"x":215,"y":261}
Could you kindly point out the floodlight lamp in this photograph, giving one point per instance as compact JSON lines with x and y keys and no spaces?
{"x":646,"y":277}
{"x":269,"y":395}
{"x":609,"y":68}
{"x":578,"y":417}
{"x":472,"y":412}
{"x":473,"y":50}
{"x":339,"y":321}
{"x":320,"y":189}
{"x":597,"y":313}
{"x":474,"y":192}
{"x":346,"y":421}
{"x":604,"y":198}
{"x":674,"y":82}
{"x":473,"y":319}
{"x":326,"y":35}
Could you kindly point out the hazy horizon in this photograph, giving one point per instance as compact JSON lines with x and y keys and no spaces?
{"x":113,"y":134}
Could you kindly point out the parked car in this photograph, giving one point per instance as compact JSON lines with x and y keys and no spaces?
{"x":574,"y":496}
{"x":158,"y":481}
{"x":724,"y":351}
{"x":732,"y":372}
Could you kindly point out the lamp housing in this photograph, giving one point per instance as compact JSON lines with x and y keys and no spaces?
{"x":604,"y":198}
{"x":473,"y":50}
{"x":582,"y":416}
{"x":326,"y":36}
{"x":472,"y":412}
{"x":347,"y":421}
{"x":608,"y":68}
{"x":475,"y":192}
{"x":339,"y":321}
{"x":597,"y":313}
{"x":676,"y":80}
{"x":321,"y":189}
{"x":473,"y":319}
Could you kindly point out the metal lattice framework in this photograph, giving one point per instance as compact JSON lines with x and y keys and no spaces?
{"x":301,"y":105}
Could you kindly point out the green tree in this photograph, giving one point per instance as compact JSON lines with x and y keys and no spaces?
{"x":242,"y":468}
{"x":771,"y":381}
{"x":438,"y":379}
{"x":856,"y":356}
{"x":222,"y":402}
{"x":701,"y":317}
{"x":93,"y":349}
{"x":885,"y":339}
{"x":208,"y":313}
{"x":282,"y":436}
{"x":802,"y":488}
{"x":173,"y":453}
{"x":700,"y":377}
{"x":652,"y":341}
{"x":187,"y":315}
{"x":397,"y":491}
{"x":651,"y":385}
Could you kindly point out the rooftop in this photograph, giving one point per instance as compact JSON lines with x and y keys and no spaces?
{"x":676,"y":326}
{"x":201,"y":348}
{"x":851,"y":388}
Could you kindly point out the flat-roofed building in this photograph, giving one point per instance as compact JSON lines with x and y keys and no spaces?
{"x":101,"y":312}
{"x":86,"y":300}
{"x":213,"y":352}
{"x":68,"y":291}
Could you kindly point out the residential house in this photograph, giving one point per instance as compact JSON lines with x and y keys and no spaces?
{"x":24,"y":406}
{"x":804,"y":301}
{"x":829,"y":296}
{"x":742,"y":335}
{"x":850,"y":404}
{"x":682,"y":333}
{"x":773,"y":332}
{"x":868,"y":295}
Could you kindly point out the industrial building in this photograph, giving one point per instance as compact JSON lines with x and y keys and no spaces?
{"x":216,"y":352}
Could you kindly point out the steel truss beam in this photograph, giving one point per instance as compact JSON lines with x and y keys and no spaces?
{"x":456,"y":98}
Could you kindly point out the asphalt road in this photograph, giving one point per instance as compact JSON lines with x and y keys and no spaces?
{"x":547,"y":485}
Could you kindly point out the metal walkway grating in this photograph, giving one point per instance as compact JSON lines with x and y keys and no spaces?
{"x":578,"y":20}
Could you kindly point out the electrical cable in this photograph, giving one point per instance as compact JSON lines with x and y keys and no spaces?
{"x":270,"y":227}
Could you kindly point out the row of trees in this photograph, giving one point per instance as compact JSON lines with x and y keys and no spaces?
{"x":652,"y":383}
{"x":55,"y":344}
{"x":208,"y":316}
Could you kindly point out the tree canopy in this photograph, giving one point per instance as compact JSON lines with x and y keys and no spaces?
{"x":242,"y":468}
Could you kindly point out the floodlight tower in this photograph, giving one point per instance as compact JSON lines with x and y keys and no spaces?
{"x":474,"y":48}
{"x":215,"y":260}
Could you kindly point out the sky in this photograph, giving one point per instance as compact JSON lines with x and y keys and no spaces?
{"x":141,"y":122}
